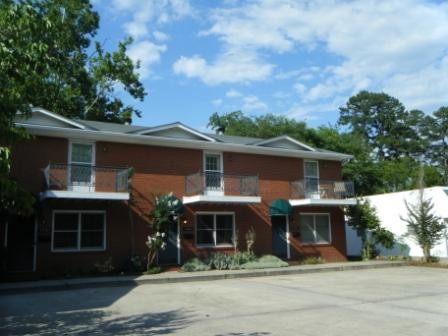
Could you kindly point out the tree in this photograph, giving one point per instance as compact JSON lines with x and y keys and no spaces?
{"x":383,"y":122}
{"x":47,"y":59}
{"x":364,"y":219}
{"x":423,"y":226}
{"x":162,"y":216}
{"x":437,"y":129}
{"x":265,"y":126}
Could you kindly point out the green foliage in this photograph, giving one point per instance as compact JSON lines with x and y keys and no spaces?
{"x":162,"y":216}
{"x":220,"y":261}
{"x":363,"y":218}
{"x":105,"y":266}
{"x":423,"y":226}
{"x":194,"y":265}
{"x":266,"y":261}
{"x":153,"y":270}
{"x":312,"y":261}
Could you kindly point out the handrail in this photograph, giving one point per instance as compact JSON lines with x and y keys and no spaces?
{"x":86,"y":178}
{"x":202,"y":183}
{"x":321,"y":189}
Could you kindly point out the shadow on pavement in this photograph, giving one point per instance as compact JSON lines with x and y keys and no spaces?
{"x":94,"y":322}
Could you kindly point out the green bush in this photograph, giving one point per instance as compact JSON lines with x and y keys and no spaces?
{"x":153,"y":270}
{"x":266,"y":261}
{"x":220,"y":261}
{"x":104,"y":267}
{"x":312,"y":261}
{"x":194,"y":265}
{"x":241,"y":258}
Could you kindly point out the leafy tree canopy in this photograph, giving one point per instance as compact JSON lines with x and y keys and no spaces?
{"x":48,"y":58}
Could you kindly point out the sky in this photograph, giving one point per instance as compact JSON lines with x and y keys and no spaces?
{"x":301,"y":59}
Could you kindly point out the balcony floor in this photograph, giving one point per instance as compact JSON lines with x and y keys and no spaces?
{"x":119,"y":196}
{"x":322,"y":202}
{"x":220,"y":199}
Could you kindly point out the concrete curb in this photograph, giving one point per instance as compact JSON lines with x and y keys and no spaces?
{"x":179,"y":277}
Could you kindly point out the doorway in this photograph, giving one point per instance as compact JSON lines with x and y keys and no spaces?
{"x":280,"y":228}
{"x":171,"y":254}
{"x":20,"y":244}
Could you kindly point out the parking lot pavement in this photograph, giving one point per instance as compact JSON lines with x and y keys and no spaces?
{"x":395,"y":301}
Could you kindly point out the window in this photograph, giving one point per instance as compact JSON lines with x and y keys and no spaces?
{"x":213,"y":171}
{"x":77,"y":231}
{"x":311,"y":174}
{"x":81,"y":162}
{"x":214,"y":229}
{"x":315,"y":228}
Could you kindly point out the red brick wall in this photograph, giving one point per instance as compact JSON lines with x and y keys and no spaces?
{"x":163,"y":170}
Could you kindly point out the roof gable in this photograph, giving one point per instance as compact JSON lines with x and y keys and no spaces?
{"x":177,"y":131}
{"x":285,"y":142}
{"x":42,"y":117}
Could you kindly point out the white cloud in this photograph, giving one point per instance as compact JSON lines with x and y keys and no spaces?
{"x":233,"y":94}
{"x":160,"y":36}
{"x":396,"y":45}
{"x":148,"y":54}
{"x":253,"y":103}
{"x":230,"y":67}
{"x":217,"y":102}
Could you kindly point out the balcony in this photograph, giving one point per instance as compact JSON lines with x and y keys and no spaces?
{"x":215,"y":187}
{"x":86,"y":182}
{"x":321,"y":192}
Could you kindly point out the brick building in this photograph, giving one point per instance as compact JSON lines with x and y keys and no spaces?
{"x":95,"y":184}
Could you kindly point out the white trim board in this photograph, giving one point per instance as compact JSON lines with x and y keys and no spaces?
{"x":220,"y":199}
{"x":119,"y":196}
{"x":287,"y":138}
{"x":179,"y":126}
{"x":322,"y":202}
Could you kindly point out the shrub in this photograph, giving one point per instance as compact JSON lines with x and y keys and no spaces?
{"x":136,"y":264}
{"x":266,"y":261}
{"x":241,"y":258}
{"x":153,"y":270}
{"x":312,"y":261}
{"x":194,"y":265}
{"x":220,"y":261}
{"x":104,"y":267}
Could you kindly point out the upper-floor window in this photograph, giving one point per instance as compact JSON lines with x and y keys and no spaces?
{"x":311,"y":177}
{"x":213,"y":171}
{"x":81,"y":161}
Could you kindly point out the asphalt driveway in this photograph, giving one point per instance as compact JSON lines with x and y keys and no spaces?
{"x":395,"y":301}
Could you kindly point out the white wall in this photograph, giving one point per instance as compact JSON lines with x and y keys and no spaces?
{"x":390,"y":208}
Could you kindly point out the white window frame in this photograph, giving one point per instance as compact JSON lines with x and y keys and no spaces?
{"x":79,"y":231}
{"x":214,"y":213}
{"x":71,"y":142}
{"x":221,"y":171}
{"x":305,"y":176}
{"x":314,"y":214}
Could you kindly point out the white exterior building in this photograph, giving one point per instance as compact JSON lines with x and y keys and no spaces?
{"x":391,"y":208}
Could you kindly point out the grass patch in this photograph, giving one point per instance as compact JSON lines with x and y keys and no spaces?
{"x":195,"y":265}
{"x":312,"y":261}
{"x":266,"y":261}
{"x":153,"y":270}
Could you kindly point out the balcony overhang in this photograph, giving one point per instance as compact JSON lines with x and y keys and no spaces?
{"x":322,"y":202}
{"x":221,"y":199}
{"x":109,"y":196}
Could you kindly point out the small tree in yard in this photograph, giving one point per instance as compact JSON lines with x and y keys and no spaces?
{"x":161,"y":217}
{"x":364,"y":219}
{"x":423,"y":226}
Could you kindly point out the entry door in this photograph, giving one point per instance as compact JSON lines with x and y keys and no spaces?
{"x":213,"y":174}
{"x":81,"y":171}
{"x":20,"y":245}
{"x":170,"y":255}
{"x":279,"y":236}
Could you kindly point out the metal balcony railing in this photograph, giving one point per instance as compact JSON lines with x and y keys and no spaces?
{"x":321,"y":189}
{"x":218,"y":183}
{"x":86,"y":178}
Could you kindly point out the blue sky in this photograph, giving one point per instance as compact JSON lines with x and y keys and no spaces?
{"x":300,"y":59}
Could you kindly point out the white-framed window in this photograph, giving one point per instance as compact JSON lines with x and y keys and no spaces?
{"x":311,"y":177}
{"x":78,"y":230}
{"x":81,"y":161}
{"x":315,"y":228}
{"x":213,"y":169}
{"x":215,"y":228}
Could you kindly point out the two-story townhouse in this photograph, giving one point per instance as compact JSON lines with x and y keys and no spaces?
{"x":95,"y":184}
